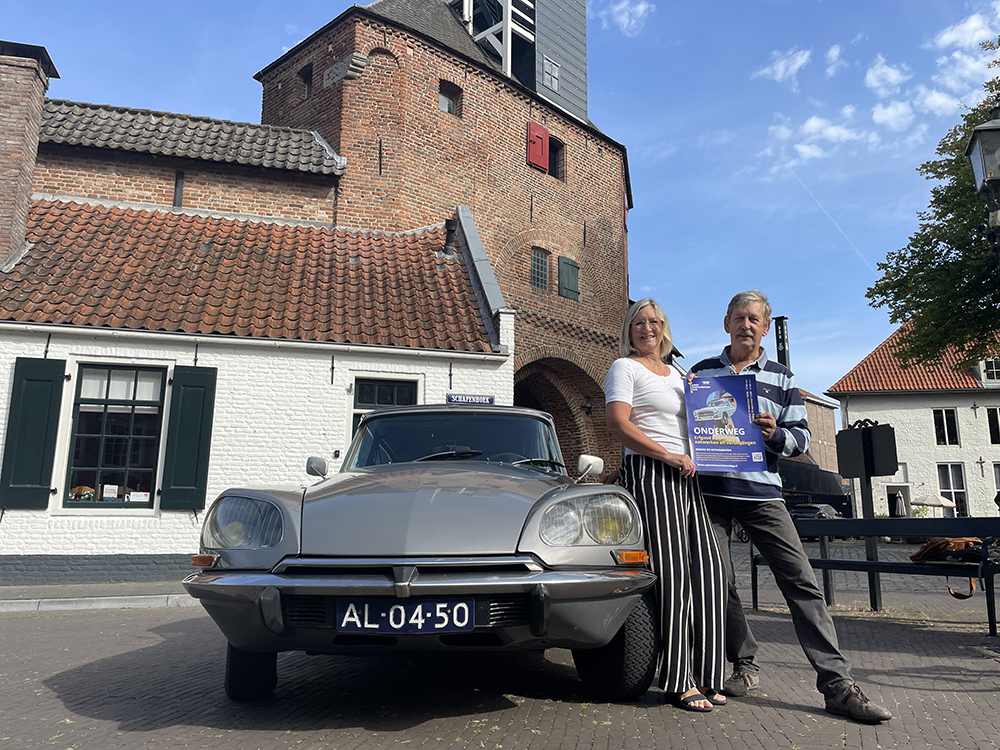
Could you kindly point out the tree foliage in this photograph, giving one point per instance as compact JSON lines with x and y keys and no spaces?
{"x":946,"y":281}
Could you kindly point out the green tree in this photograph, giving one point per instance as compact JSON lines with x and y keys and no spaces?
{"x":945,"y":284}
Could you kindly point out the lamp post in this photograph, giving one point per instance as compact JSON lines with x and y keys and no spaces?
{"x":983,"y":153}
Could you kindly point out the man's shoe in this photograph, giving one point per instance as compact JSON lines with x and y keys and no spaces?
{"x":740,"y":683}
{"x":852,"y":702}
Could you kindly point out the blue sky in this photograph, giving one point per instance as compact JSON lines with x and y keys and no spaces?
{"x":773,"y":144}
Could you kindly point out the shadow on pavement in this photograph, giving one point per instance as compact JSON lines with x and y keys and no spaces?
{"x":179,"y":681}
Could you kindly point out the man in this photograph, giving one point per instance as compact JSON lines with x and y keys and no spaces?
{"x":754,"y":499}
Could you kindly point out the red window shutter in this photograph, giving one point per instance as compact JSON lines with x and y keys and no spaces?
{"x":538,"y":146}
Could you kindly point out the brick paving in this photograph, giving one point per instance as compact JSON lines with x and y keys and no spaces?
{"x":152,"y":678}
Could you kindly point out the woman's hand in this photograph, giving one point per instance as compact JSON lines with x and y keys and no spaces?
{"x":682,"y":462}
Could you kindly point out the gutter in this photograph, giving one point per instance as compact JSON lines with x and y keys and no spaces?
{"x":121,"y":334}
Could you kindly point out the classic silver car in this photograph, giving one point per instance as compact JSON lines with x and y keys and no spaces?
{"x":715,"y":410}
{"x":448,"y":528}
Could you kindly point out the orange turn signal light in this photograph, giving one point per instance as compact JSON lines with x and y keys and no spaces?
{"x":631,"y":556}
{"x":203,"y":561}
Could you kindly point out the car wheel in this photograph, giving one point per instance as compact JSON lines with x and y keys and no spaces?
{"x":623,"y":669}
{"x":250,"y":675}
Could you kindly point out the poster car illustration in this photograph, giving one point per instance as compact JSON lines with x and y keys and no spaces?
{"x":447,"y":528}
{"x":721,"y":406}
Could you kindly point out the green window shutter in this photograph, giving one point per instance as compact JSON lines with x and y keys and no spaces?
{"x":189,"y":438}
{"x":569,"y":278}
{"x":32,"y":423}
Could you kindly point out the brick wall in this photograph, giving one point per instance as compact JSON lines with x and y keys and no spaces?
{"x":22,"y":92}
{"x":410,"y":163}
{"x":144,"y":178}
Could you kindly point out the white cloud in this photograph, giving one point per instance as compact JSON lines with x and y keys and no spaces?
{"x":885,"y":79}
{"x":896,"y":115}
{"x":966,"y":34}
{"x":848,"y":111}
{"x":834,"y":61}
{"x":628,"y":16}
{"x":858,"y":38}
{"x":809,"y":151}
{"x":820,"y":129}
{"x":290,"y":29}
{"x":960,"y":71}
{"x":935,"y":102}
{"x":785,"y":67}
{"x":780,"y":132}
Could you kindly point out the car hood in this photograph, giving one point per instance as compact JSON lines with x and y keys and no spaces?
{"x":425,"y":509}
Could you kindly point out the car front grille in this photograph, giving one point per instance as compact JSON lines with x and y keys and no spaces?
{"x":492,"y":611}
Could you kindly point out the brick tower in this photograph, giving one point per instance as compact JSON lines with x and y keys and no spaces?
{"x":484,"y":104}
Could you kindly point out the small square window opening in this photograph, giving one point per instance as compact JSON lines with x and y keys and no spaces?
{"x":306,"y":82}
{"x":450,"y":98}
{"x":557,"y":158}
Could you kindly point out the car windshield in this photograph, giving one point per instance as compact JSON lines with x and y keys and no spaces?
{"x":457,"y":436}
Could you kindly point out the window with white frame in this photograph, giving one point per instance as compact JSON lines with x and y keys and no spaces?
{"x":993,"y":420}
{"x":118,"y":420}
{"x":115,"y":445}
{"x":946,"y":426}
{"x":370,"y":393}
{"x":951,"y":485}
{"x":991,"y":370}
{"x":550,"y":73}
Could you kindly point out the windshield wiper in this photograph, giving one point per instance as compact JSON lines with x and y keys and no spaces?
{"x":466,"y":453}
{"x":548,"y":461}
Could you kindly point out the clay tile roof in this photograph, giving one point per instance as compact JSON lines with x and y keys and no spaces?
{"x":186,"y":136}
{"x":151,"y":270}
{"x":880,"y":372}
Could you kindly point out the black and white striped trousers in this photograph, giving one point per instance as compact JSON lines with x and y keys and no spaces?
{"x":691,"y":586}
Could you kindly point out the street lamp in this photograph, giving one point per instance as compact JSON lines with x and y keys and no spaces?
{"x":983,"y":153}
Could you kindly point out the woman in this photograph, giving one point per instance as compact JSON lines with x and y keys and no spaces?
{"x":645,"y":411}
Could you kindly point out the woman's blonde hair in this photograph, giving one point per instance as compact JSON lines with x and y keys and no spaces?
{"x":625,"y":348}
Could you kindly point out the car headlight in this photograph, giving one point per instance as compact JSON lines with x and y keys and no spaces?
{"x":601,"y":519}
{"x":242,"y":523}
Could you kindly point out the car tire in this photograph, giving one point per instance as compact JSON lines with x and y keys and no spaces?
{"x":623,"y":670}
{"x":250,"y":675}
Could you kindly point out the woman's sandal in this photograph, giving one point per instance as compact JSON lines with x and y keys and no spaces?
{"x":687,"y":702}
{"x":715,"y":697}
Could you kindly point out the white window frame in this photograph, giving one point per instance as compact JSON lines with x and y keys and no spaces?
{"x":958,"y":495}
{"x":60,"y":466}
{"x":955,"y":439}
{"x":550,"y":73}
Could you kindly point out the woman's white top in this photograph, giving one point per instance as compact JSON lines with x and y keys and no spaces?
{"x":657,"y":402}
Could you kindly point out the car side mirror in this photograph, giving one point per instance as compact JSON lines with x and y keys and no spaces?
{"x":587,"y":465}
{"x":317,"y":467}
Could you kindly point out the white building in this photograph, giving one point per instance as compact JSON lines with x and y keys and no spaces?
{"x":947,"y":425}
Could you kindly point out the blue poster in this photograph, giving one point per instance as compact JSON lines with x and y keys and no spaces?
{"x":720,"y":414}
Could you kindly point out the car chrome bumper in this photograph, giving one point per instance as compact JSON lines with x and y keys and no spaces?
{"x":568,"y":608}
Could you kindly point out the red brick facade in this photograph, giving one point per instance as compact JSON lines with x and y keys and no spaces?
{"x":410,"y":163}
{"x":22,"y":89}
{"x":143,"y":178}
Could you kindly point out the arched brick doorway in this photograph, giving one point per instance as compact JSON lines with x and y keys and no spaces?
{"x":575,"y":401}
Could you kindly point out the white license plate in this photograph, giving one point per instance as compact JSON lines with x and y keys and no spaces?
{"x":377,"y":615}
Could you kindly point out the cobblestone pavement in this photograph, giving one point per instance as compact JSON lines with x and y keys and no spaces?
{"x":152,"y":678}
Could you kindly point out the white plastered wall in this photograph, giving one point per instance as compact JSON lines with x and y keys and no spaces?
{"x":276,"y":404}
{"x":912,"y":418}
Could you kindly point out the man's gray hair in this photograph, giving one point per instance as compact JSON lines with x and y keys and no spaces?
{"x":745,"y":298}
{"x":625,"y":348}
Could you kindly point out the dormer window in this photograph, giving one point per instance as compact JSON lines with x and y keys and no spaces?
{"x":991,"y":371}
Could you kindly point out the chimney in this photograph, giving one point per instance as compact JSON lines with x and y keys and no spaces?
{"x":25,"y":71}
